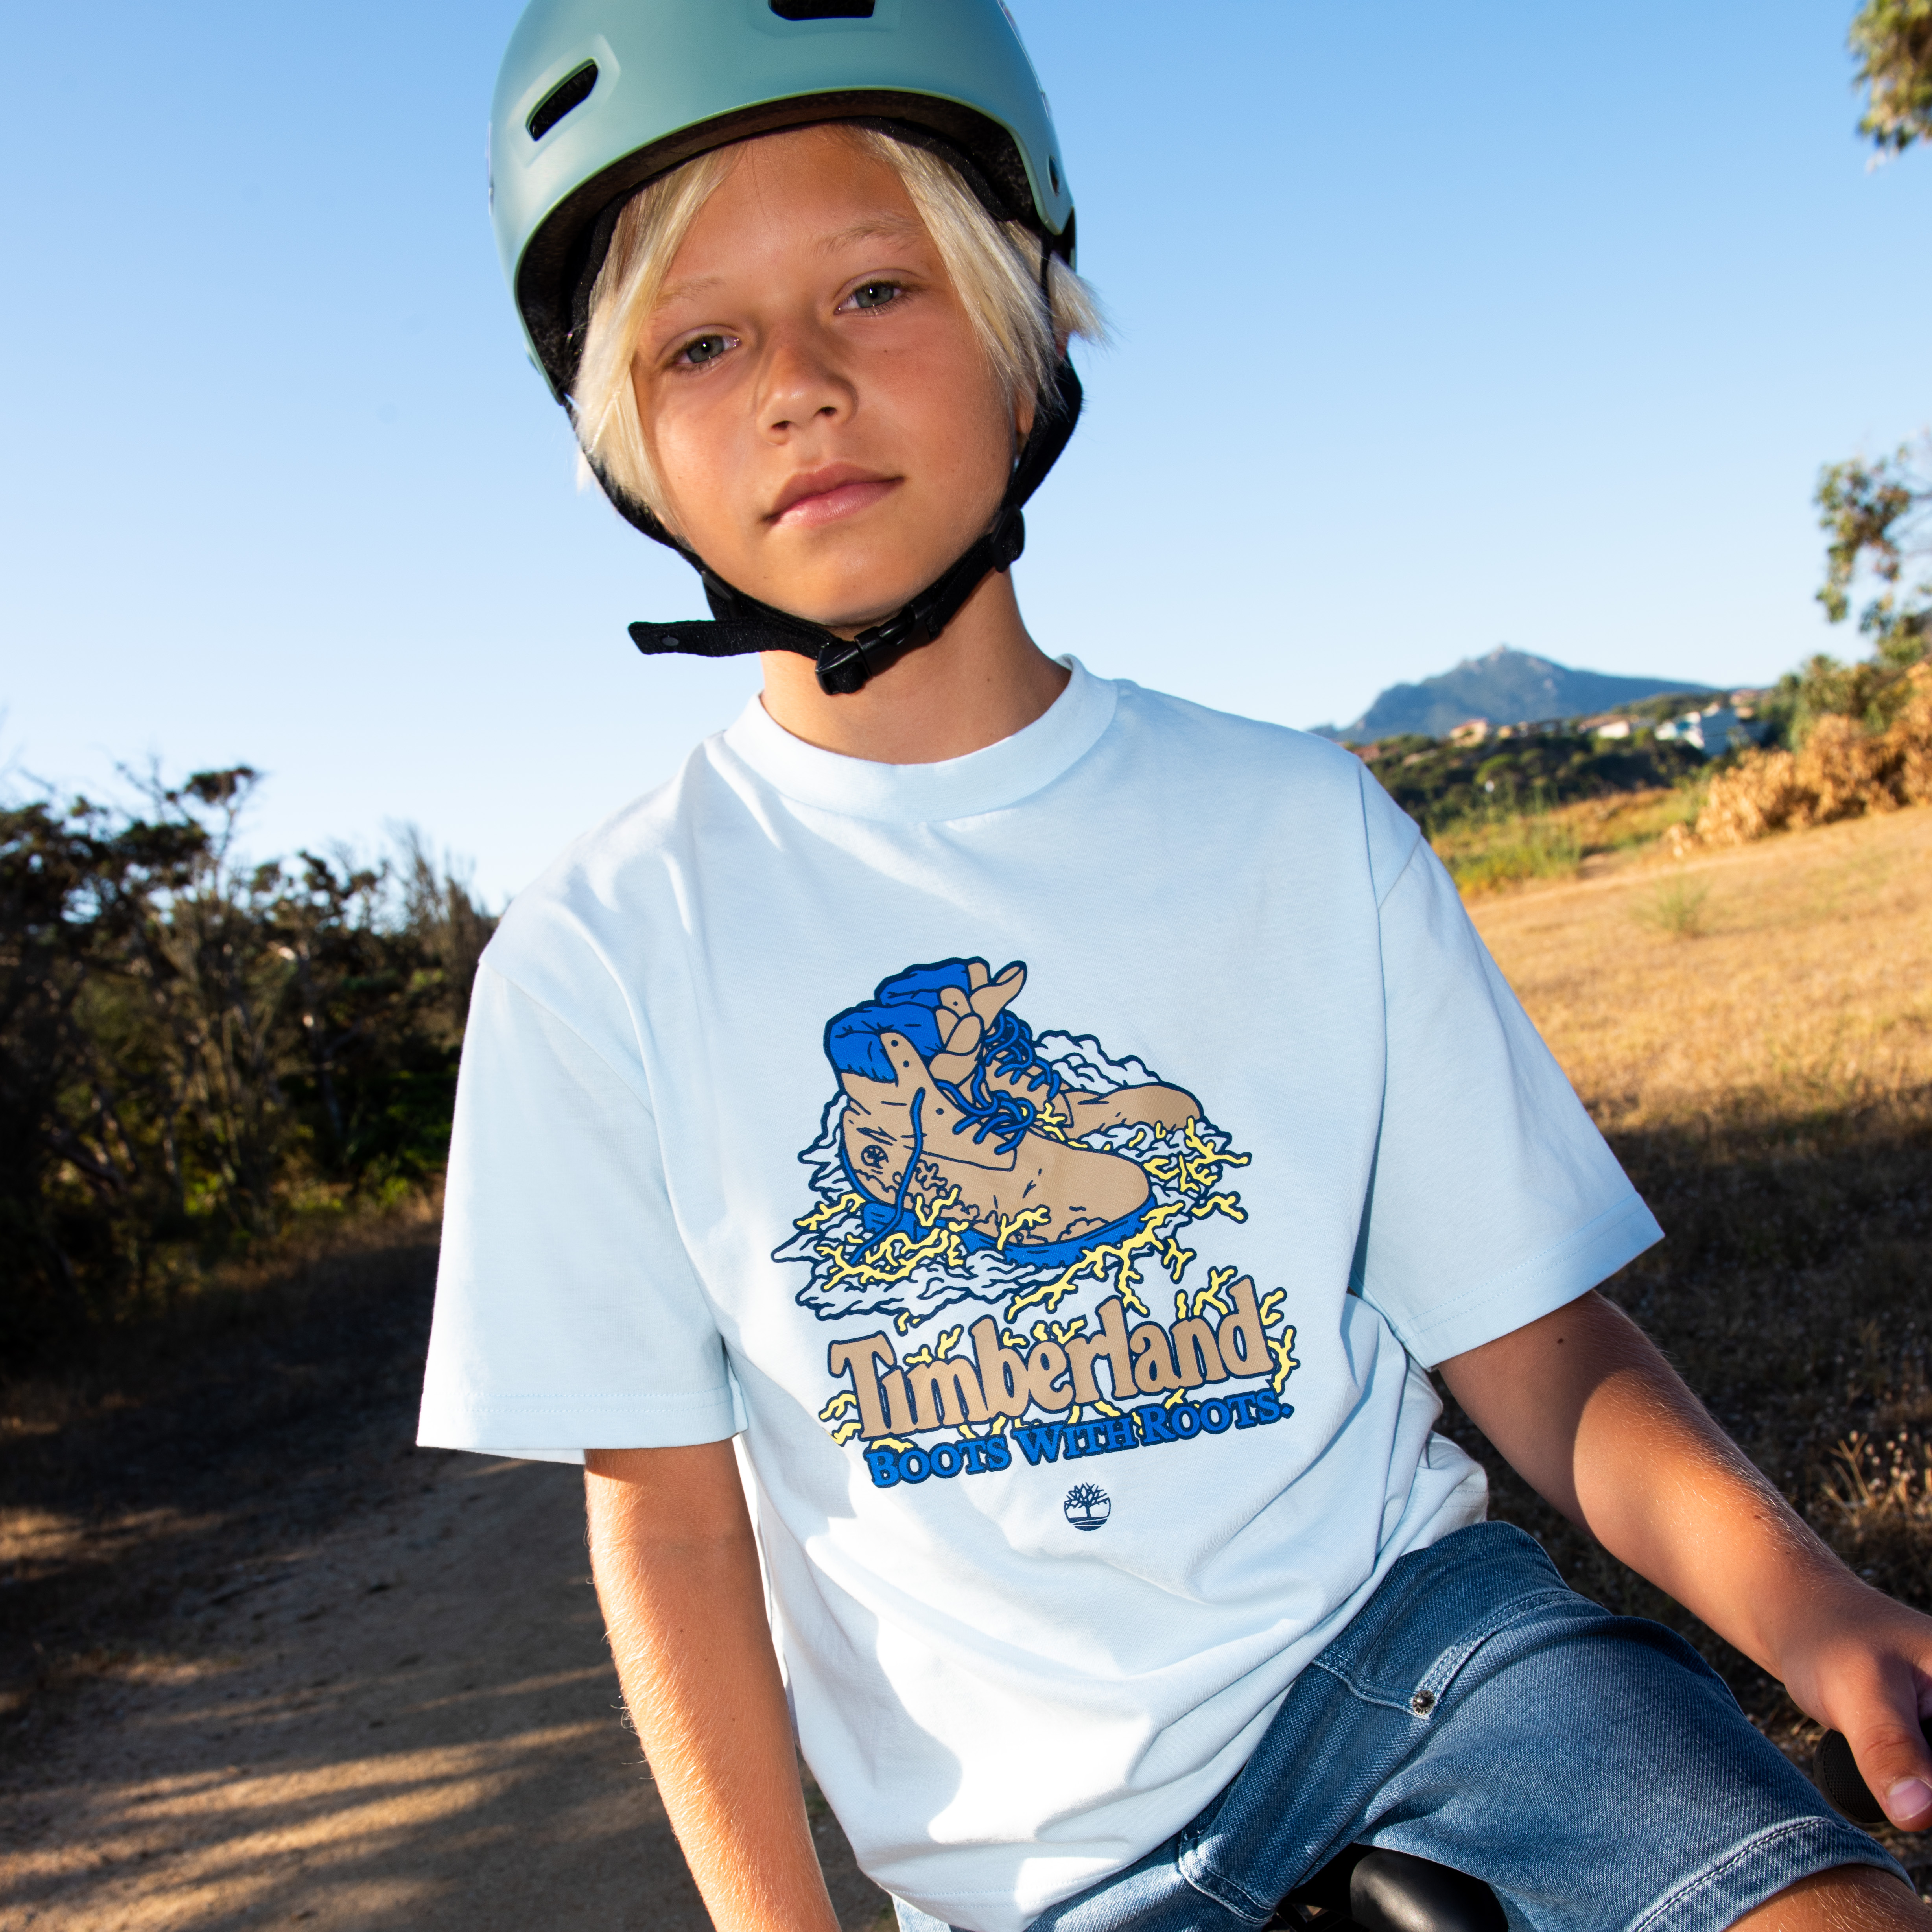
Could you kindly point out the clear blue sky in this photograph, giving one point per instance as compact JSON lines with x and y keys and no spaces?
{"x":1438,"y":327}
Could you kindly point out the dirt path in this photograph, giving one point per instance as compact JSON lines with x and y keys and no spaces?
{"x":410,"y":1723}
{"x":292,"y":1671}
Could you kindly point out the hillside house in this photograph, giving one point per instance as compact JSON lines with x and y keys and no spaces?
{"x":1714,"y":731}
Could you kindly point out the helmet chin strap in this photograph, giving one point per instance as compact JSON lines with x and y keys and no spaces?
{"x":743,"y":625}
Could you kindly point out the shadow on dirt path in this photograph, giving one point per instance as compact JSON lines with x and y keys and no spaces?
{"x":382,"y":1703}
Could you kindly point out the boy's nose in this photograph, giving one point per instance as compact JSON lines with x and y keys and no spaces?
{"x":802,"y":384}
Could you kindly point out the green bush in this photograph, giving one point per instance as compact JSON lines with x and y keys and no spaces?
{"x":1514,"y":847}
{"x":1444,"y":786}
{"x":194,"y":1049}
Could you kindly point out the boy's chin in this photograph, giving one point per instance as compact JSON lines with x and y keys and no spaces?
{"x":847,"y":608}
{"x":854,"y":579}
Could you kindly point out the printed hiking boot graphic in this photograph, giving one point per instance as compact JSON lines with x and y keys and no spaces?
{"x":1055,"y":1190}
{"x":965,"y":1158}
{"x":948,"y":1100}
{"x":984,"y":1039}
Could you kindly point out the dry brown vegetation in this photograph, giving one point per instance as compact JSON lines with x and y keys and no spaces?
{"x":1752,"y":1029}
{"x":1841,"y":771}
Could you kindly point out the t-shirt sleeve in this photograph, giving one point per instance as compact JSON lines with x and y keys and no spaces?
{"x":1494,"y":1199}
{"x":568,"y":1315}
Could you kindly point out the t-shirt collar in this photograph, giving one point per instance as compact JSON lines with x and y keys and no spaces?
{"x":987,"y":780}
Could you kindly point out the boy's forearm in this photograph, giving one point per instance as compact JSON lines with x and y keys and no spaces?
{"x":677,"y":1577}
{"x":1583,"y":1405}
{"x":1614,"y":1439}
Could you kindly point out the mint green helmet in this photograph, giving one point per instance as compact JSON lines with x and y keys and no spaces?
{"x":596,"y":97}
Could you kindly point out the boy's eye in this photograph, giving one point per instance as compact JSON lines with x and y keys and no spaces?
{"x":875,"y":294}
{"x":702,"y":349}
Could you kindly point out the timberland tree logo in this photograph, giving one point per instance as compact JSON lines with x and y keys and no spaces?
{"x":1087,"y":1506}
{"x":964,"y":1159}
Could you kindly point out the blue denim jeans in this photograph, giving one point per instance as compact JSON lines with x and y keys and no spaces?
{"x":1592,"y":1769}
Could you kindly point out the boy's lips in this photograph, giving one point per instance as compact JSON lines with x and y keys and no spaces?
{"x":822,"y":496}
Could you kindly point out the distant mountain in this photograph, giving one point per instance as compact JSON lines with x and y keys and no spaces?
{"x":1506,"y":687}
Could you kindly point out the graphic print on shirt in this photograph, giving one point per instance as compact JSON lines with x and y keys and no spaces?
{"x":965,"y":1159}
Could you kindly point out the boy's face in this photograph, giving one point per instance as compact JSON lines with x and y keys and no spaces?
{"x":827,"y":429}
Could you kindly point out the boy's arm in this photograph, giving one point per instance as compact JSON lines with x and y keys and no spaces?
{"x":1584,"y":1408}
{"x":676,"y":1567}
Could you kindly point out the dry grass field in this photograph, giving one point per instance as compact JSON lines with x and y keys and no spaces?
{"x":1787,"y":981}
{"x":1752,"y":1029}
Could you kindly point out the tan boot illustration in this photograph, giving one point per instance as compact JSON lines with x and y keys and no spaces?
{"x":985,"y":1049}
{"x":907,"y":1136}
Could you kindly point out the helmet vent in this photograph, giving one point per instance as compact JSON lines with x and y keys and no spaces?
{"x":822,"y":10}
{"x":568,"y":94}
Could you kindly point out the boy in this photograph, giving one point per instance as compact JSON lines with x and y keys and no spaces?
{"x":867,"y":1096}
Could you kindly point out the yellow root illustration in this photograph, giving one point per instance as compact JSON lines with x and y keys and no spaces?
{"x":1123,"y":1257}
{"x":1213,"y":1297}
{"x":1194,"y":1166}
{"x":896,"y":1258}
{"x":841,"y":1413}
{"x":927,"y":1353}
{"x":1010,"y":1224}
{"x":810,"y":1224}
{"x":1282,"y":1347}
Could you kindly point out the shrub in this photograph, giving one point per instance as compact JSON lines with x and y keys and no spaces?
{"x":1676,"y":907}
{"x":1842,"y":770}
{"x":1512,"y":848}
{"x":192,"y":1047}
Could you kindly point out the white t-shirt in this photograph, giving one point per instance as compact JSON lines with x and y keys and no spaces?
{"x":1061,"y":1163}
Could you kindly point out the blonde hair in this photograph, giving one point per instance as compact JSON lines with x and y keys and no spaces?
{"x":994,"y":267}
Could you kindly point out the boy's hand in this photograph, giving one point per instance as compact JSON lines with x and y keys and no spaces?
{"x":1860,"y":1664}
{"x":1613,"y":1439}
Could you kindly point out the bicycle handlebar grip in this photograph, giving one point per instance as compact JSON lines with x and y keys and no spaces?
{"x":1836,"y":1774}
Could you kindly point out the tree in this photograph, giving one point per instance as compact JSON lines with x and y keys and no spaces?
{"x":1875,"y":516}
{"x":192,"y":1046}
{"x":80,"y":1164}
{"x":1893,"y":41}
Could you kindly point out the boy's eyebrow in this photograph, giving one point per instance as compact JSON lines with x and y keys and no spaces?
{"x":884,"y":227}
{"x":878,"y":229}
{"x":887,"y":227}
{"x":673,"y":292}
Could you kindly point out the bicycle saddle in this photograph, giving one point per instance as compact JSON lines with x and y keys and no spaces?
{"x":1836,"y":1774}
{"x":1390,"y":1891}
